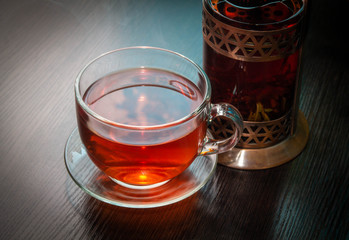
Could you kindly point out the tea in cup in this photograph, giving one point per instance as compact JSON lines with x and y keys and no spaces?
{"x":143,"y":114}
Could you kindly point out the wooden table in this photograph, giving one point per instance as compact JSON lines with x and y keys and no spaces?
{"x":44,"y":44}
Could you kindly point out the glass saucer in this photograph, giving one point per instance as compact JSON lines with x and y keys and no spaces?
{"x":93,"y":181}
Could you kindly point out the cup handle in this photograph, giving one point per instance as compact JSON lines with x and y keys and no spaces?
{"x":213,"y":146}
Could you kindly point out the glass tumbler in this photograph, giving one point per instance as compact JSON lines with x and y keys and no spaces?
{"x":251,"y":53}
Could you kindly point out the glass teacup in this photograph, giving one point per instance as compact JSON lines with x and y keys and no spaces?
{"x":143,"y":114}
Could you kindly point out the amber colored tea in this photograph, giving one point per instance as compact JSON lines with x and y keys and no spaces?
{"x":135,"y":98}
{"x":262,"y":91}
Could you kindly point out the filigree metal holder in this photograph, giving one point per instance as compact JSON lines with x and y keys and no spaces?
{"x":249,"y":45}
{"x":255,"y":134}
{"x":263,"y":144}
{"x":268,"y":157}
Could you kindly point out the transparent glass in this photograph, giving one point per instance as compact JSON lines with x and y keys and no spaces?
{"x":97,"y":184}
{"x":143,"y":113}
{"x":251,"y":54}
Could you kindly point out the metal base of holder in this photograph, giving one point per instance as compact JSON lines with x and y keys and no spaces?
{"x":263,"y":158}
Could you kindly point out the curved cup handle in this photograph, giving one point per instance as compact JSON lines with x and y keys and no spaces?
{"x":212,"y":146}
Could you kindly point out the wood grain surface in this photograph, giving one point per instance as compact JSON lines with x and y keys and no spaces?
{"x":44,"y":44}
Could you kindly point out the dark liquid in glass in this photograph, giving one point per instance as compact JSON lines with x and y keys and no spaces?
{"x":142,"y":97}
{"x":262,"y":91}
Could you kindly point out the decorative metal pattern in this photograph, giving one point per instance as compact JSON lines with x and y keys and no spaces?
{"x":249,"y":45}
{"x":268,"y":157}
{"x":255,"y":134}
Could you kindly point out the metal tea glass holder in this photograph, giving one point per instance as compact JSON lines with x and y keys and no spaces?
{"x":264,"y":144}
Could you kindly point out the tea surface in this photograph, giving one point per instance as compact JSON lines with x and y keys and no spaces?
{"x":257,"y":12}
{"x":143,"y":97}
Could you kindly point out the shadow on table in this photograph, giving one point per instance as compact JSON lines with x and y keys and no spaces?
{"x":233,"y":205}
{"x":114,"y":222}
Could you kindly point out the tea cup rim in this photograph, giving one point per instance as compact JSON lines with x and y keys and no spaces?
{"x":205,"y":101}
